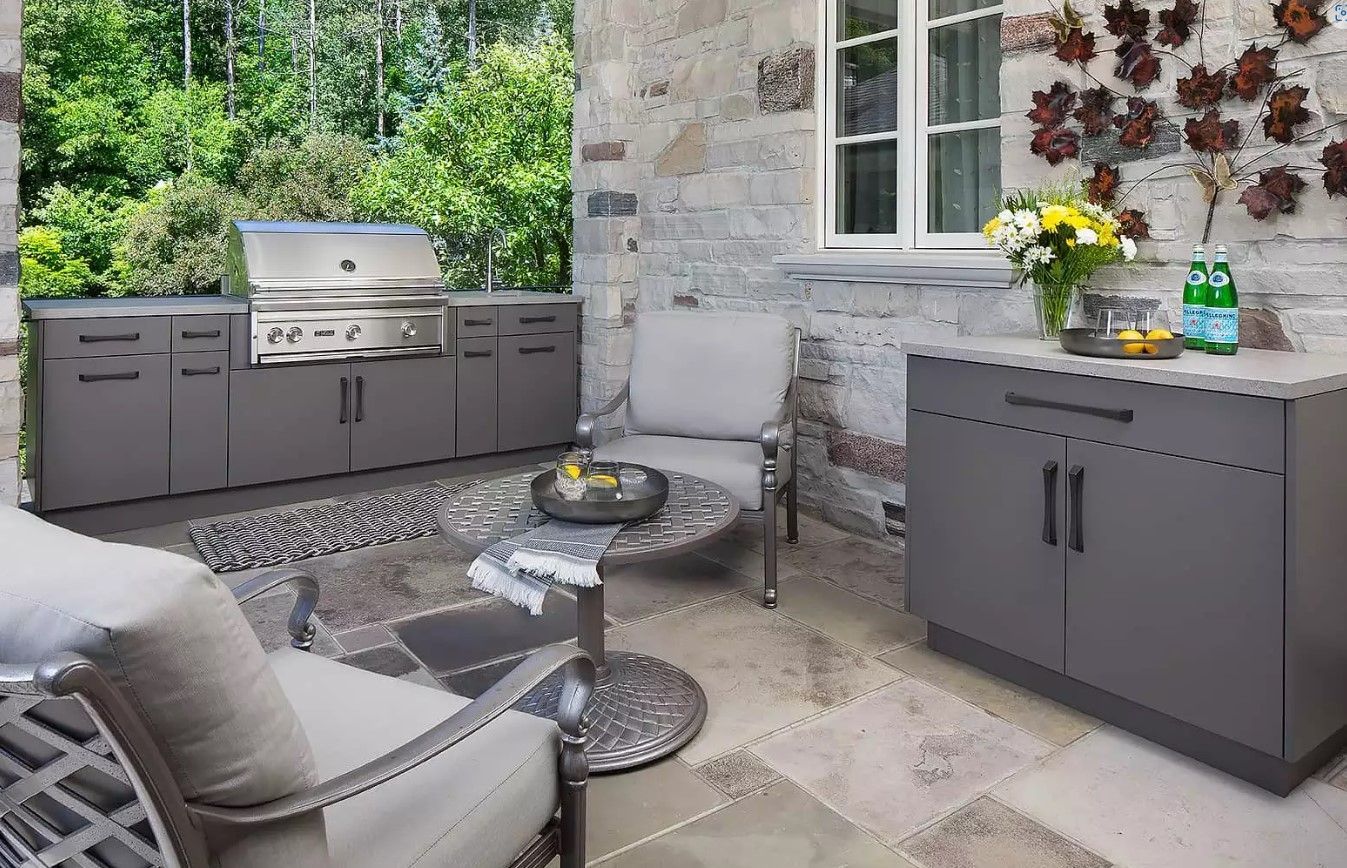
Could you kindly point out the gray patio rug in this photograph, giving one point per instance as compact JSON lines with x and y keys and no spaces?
{"x":286,"y":536}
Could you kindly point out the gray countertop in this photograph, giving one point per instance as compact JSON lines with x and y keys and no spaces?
{"x":1259,"y":373}
{"x":476,"y":298}
{"x":186,"y":305}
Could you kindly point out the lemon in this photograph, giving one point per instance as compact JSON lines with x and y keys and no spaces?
{"x":571,"y":470}
{"x":1151,"y":349}
{"x":1159,"y":335}
{"x":603,"y":480}
{"x":1130,"y":335}
{"x":1134,"y":349}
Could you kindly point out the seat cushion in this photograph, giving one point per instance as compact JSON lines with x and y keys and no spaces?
{"x":172,"y":638}
{"x":713,"y":375}
{"x":734,"y":464}
{"x":478,"y":803}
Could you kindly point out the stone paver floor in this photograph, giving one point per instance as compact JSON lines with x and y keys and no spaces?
{"x":835,"y":736}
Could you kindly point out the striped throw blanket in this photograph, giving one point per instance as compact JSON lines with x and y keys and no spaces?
{"x":524,"y":568}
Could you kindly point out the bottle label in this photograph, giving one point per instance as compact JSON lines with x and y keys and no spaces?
{"x":1220,"y":325}
{"x":1219,"y":279}
{"x":1196,"y":278}
{"x":1193,"y":325}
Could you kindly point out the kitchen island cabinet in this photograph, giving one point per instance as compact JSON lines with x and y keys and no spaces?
{"x":1147,"y":541}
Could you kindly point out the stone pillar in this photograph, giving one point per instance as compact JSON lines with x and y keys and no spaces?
{"x":11,"y":65}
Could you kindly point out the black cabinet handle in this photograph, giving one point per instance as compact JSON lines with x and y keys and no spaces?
{"x":99,"y":339}
{"x":345,"y":399}
{"x":98,"y":378}
{"x":1102,"y":412}
{"x":530,"y":350}
{"x":211,"y":333}
{"x":477,"y":322}
{"x":476,"y":354}
{"x":360,"y":399}
{"x":551,"y":317}
{"x":200,"y":372}
{"x":1050,"y":503}
{"x":1076,"y":534}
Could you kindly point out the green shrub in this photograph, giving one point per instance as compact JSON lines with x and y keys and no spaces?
{"x":48,"y":271}
{"x":175,"y":243}
{"x":308,"y":181}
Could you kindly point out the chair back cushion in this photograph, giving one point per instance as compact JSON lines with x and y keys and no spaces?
{"x":170,"y":635}
{"x":713,"y":376}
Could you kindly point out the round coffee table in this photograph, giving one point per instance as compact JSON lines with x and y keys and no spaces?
{"x":643,"y":708}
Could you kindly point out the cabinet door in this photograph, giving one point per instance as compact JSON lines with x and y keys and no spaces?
{"x":403,"y":412}
{"x":104,"y":430}
{"x":537,"y":391}
{"x":1174,"y":598}
{"x":289,"y":423}
{"x":985,"y":547}
{"x":199,"y":443}
{"x":477,"y":391}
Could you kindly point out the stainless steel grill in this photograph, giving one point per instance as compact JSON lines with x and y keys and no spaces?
{"x":338,"y":290}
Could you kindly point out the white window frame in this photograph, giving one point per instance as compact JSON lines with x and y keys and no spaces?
{"x":912,"y":136}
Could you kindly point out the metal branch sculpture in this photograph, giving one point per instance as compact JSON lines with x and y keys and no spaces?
{"x":1223,"y":157}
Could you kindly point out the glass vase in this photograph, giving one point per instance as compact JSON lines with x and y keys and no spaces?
{"x":1052,"y":304}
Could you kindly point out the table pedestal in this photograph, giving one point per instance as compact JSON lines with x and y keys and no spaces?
{"x":643,"y":708}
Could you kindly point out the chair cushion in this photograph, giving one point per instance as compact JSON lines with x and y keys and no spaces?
{"x":477,"y":804}
{"x":172,"y":637}
{"x":734,"y":464}
{"x":717,"y":376}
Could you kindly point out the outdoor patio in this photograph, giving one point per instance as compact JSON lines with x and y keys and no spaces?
{"x":834,"y":736}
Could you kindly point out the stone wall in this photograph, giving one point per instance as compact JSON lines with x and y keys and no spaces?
{"x":11,"y":64}
{"x":695,"y":159}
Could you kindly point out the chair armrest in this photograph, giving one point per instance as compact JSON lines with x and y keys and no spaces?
{"x":584,"y":426}
{"x":779,"y":432}
{"x":576,"y":690}
{"x":306,"y":590}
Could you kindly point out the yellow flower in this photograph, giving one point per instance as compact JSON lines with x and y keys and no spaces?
{"x":991,"y":227}
{"x":1077,"y":220}
{"x":1054,"y":215}
{"x":1070,"y":242}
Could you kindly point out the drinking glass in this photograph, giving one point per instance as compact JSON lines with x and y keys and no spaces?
{"x":1110,"y":321}
{"x":603,"y":481}
{"x":570,"y":482}
{"x":1149,"y":320}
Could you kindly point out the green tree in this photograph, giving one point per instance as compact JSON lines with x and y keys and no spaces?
{"x":46,"y":269}
{"x":310,"y":181}
{"x":87,"y":225}
{"x":175,"y":243}
{"x":493,"y":150}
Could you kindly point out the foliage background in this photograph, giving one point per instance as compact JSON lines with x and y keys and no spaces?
{"x":131,"y":173}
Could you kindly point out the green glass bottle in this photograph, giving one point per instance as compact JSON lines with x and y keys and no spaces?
{"x":1195,"y":300}
{"x":1220,"y":319}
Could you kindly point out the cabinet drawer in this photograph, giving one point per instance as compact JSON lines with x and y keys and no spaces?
{"x":105,"y":429}
{"x":200,"y":334}
{"x":477,"y":394}
{"x":199,"y":440}
{"x":537,"y":403}
{"x":1228,"y":429}
{"x":112,"y":336}
{"x":529,"y":319}
{"x":477,"y":322}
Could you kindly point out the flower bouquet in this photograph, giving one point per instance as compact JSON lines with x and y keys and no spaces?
{"x":1057,"y":239}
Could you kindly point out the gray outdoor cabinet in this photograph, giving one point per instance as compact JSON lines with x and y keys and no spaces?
{"x":289,"y":423}
{"x":402,"y":412}
{"x":199,"y":421}
{"x":478,"y":389}
{"x":1165,"y":557}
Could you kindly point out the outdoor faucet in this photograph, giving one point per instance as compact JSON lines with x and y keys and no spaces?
{"x":491,"y":255}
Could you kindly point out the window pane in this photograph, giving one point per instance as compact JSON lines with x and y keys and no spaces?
{"x":867,"y":193}
{"x":865,"y":17}
{"x":965,"y":80}
{"x":964,"y":181}
{"x":945,"y":8}
{"x":867,"y":84}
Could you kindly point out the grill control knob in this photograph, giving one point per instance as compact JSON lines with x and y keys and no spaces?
{"x":408,"y":329}
{"x":274,"y":336}
{"x":352,"y":332}
{"x":294,"y":335}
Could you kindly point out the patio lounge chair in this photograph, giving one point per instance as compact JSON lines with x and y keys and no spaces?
{"x":714,"y":395}
{"x":141,"y":724}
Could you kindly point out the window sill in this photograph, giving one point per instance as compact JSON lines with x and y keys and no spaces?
{"x":963,"y":268}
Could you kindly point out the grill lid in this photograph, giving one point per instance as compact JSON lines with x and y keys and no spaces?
{"x":317,"y":259}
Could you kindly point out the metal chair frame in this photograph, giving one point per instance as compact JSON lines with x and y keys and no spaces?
{"x":125,"y":751}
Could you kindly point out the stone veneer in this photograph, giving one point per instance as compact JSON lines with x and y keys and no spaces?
{"x":11,"y":65}
{"x":694,"y":165}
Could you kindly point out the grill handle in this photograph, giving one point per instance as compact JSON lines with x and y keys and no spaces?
{"x":100,"y":339}
{"x":345,"y":400}
{"x":360,"y":399}
{"x":528,"y":351}
{"x":98,"y":378}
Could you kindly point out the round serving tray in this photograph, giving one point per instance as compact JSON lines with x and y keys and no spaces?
{"x":1082,"y":342}
{"x":639,"y":499}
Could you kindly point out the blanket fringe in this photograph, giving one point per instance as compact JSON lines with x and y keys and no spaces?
{"x":558,"y":567}
{"x":493,"y":580}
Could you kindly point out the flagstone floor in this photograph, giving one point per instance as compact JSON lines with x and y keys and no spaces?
{"x":835,"y":737}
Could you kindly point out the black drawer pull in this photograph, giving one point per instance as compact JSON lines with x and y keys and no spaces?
{"x":345,"y":400}
{"x":1102,"y":412}
{"x":1076,"y":494}
{"x":477,"y":322}
{"x":200,"y":372}
{"x":530,"y":350}
{"x":99,"y":339}
{"x":524,"y":320}
{"x":1050,"y":503}
{"x":476,"y":354}
{"x":210,"y":333}
{"x":360,"y":399}
{"x":98,"y":378}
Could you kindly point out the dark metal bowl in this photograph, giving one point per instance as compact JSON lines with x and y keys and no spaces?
{"x":639,"y":499}
{"x":1082,"y":342}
